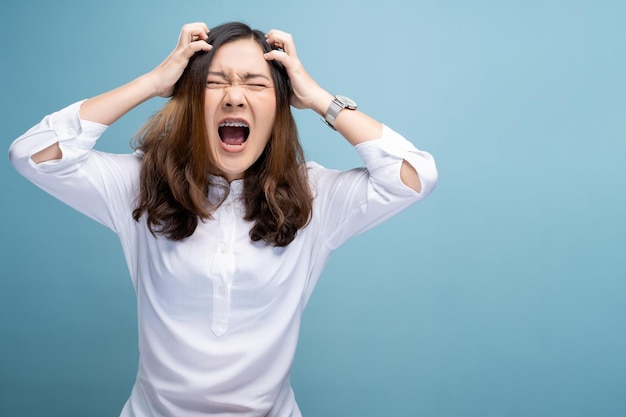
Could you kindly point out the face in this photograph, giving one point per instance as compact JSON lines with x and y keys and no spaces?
{"x":240,"y":107}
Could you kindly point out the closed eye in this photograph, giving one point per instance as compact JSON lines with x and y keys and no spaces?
{"x":256,"y":86}
{"x":250,"y":86}
{"x":216,"y":84}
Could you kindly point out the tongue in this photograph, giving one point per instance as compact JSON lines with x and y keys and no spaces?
{"x":232,"y":135}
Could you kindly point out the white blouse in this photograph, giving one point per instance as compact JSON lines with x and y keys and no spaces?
{"x":219,"y":315}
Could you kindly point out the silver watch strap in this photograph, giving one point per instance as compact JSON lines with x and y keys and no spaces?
{"x":333,"y":110}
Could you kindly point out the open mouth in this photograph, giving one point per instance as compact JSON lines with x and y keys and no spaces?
{"x":233,"y":132}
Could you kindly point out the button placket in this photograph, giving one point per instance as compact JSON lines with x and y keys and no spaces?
{"x":223,"y":268}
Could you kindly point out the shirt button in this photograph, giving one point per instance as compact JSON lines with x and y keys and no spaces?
{"x":221,"y":289}
{"x":71,"y":131}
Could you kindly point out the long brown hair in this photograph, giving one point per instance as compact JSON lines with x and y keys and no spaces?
{"x":177,"y":164}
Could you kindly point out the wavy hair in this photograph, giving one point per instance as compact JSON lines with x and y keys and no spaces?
{"x":177,"y":165}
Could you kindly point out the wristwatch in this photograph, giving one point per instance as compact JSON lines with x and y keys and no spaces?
{"x":338,"y":104}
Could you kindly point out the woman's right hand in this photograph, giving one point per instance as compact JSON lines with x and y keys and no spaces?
{"x":192,"y":39}
{"x":108,"y":107}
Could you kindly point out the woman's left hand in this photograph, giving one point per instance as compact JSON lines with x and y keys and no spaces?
{"x":306,"y":93}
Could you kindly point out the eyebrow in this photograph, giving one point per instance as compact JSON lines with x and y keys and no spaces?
{"x":246,"y":76}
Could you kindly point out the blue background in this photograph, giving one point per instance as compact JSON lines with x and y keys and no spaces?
{"x":502,"y":294}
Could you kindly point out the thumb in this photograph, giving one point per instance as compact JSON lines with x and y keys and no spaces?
{"x":275,"y":55}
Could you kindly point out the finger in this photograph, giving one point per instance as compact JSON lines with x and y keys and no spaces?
{"x":192,"y":32}
{"x":196,"y":26}
{"x":195,"y":47}
{"x":281,"y":40}
{"x":276,"y":41}
{"x":277,"y":33}
{"x":276,"y":55}
{"x":201,"y":35}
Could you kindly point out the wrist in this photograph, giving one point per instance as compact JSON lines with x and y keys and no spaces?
{"x":337,"y":105}
{"x":321,"y":102}
{"x":150,"y":86}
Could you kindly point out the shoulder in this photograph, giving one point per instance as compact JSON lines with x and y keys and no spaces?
{"x":317,"y":173}
{"x":123,"y":170}
{"x":323,"y":180}
{"x":129,"y":163}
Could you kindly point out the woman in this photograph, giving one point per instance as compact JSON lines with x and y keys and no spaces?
{"x":224,"y":227}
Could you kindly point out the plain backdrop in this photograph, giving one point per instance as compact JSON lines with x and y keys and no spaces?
{"x":501,"y":294}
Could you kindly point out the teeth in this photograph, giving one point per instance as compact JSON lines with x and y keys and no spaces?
{"x":233,"y":123}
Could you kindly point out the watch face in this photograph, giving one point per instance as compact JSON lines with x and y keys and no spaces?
{"x":347,"y":101}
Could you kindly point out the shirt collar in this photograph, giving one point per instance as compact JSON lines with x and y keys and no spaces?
{"x":220,"y":187}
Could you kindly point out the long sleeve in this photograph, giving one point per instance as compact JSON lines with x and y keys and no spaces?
{"x":75,"y":137}
{"x":98,"y":184}
{"x":353,"y":201}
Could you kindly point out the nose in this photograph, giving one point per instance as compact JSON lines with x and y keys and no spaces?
{"x":234,"y":97}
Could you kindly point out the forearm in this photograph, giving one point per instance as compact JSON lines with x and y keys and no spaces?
{"x":60,"y":135}
{"x":108,"y":107}
{"x":357,"y":127}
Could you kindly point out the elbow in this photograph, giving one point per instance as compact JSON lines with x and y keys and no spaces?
{"x":20,"y":155}
{"x":428,"y":177}
{"x":17,"y":159}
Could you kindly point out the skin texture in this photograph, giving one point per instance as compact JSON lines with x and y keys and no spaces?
{"x":355,"y":126}
{"x":239,"y":87}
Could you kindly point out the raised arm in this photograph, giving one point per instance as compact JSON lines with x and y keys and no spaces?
{"x":355,"y":126}
{"x":108,"y":107}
